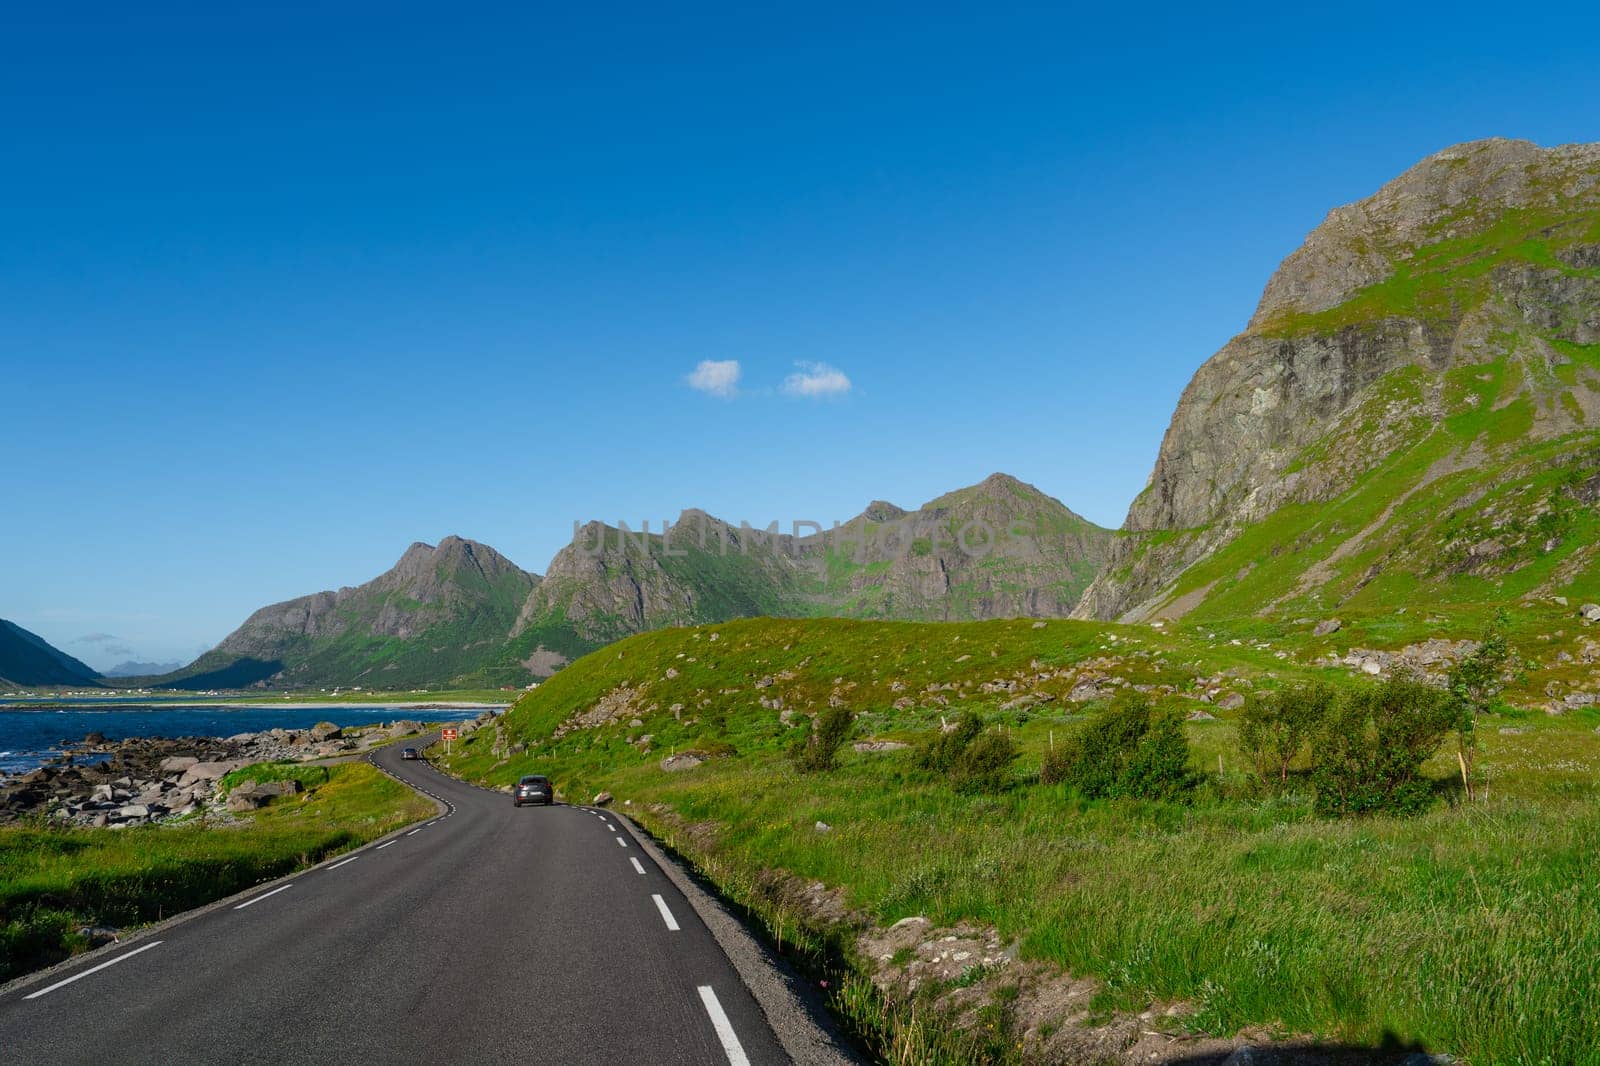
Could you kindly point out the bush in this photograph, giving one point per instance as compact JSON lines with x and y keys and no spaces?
{"x":1129,"y":749}
{"x":1367,"y":755}
{"x":940,"y":752}
{"x":818,"y":750}
{"x":1275,"y":727}
{"x":973,"y":760}
{"x":984,"y":764}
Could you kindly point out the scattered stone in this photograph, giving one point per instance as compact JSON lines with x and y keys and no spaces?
{"x":1590,"y":612}
{"x":1200,"y":716}
{"x":1327,"y":627}
{"x":823,"y":827}
{"x":602,"y":799}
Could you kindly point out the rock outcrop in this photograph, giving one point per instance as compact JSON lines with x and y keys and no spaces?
{"x":1428,"y":351}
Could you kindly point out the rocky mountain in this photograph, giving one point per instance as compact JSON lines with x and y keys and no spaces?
{"x":1000,"y":548}
{"x":1412,"y":413}
{"x":462,"y":614}
{"x":439,"y":616}
{"x":132,"y":668}
{"x":27,"y":659}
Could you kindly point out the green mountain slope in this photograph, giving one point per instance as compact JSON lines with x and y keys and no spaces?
{"x":997,"y":549}
{"x":1412,"y":416}
{"x":440,"y":616}
{"x":27,"y":659}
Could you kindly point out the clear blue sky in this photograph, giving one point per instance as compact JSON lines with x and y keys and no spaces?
{"x":283,"y":292}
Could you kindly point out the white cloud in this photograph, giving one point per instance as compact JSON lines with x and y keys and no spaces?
{"x":816,"y":379}
{"x":718,"y":377}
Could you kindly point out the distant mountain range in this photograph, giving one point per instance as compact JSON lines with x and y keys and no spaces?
{"x":461,"y":613}
{"x":26,"y":660}
{"x":138,"y":669}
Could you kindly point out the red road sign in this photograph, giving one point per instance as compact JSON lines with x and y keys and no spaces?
{"x":449,"y":733}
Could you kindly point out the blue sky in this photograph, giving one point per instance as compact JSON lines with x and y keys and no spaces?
{"x":282,"y":292}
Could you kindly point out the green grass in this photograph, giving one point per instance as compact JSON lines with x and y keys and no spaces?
{"x":1466,"y":929}
{"x":54,"y":880}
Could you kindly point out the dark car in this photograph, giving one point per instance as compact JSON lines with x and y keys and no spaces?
{"x":535,"y":788}
{"x":409,"y":753}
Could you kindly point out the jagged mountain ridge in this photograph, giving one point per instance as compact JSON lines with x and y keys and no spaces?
{"x":1410,"y":413}
{"x":27,"y":659}
{"x":1024,"y":554}
{"x":462,"y":613}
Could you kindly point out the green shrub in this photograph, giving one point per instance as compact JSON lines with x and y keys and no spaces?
{"x":939,"y":753}
{"x":973,"y":760}
{"x":1367,"y":755}
{"x":1129,"y":749}
{"x":818,"y":749}
{"x":984,"y":764}
{"x":1276,"y":727}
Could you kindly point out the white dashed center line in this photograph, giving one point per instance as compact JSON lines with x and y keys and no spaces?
{"x":417,"y":830}
{"x":344,"y":862}
{"x":624,"y":843}
{"x":724,"y":1028}
{"x":636,"y":865}
{"x":385,"y":844}
{"x":90,"y":970}
{"x":666,"y":915}
{"x":264,"y":895}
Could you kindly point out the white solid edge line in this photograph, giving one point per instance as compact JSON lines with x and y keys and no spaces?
{"x":344,"y":862}
{"x":624,"y":843}
{"x":264,"y":895}
{"x":666,"y":915}
{"x":724,"y":1028}
{"x":636,"y":864}
{"x":93,"y":969}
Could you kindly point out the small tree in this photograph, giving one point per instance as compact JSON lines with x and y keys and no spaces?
{"x":1367,"y":755}
{"x":818,"y":750}
{"x":1477,"y":682}
{"x":1275,"y":727}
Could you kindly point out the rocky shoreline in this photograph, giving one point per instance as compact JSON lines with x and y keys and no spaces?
{"x":117,"y":784}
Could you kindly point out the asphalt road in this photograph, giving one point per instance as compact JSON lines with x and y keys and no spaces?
{"x":489,"y":934}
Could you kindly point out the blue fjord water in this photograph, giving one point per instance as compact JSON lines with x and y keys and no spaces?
{"x":30,"y":735}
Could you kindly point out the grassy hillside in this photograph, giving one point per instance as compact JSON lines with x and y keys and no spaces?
{"x":1465,"y":929}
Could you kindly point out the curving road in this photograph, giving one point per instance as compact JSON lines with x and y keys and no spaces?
{"x":489,"y":934}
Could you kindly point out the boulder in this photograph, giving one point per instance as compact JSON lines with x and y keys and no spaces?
{"x":1231,"y":702}
{"x":404,"y":728}
{"x":879,"y":745}
{"x":208,"y":771}
{"x":687,"y":760}
{"x":324,"y":731}
{"x":177,"y":764}
{"x":133,"y":810}
{"x":603,"y":799}
{"x":1327,"y":627}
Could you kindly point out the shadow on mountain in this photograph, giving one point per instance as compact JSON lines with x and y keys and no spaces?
{"x":1391,"y":1051}
{"x":241,"y":673}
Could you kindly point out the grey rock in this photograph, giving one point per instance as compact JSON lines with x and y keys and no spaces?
{"x":603,"y":799}
{"x":177,"y":764}
{"x":686,"y":760}
{"x":1590,"y":612}
{"x":1327,"y":627}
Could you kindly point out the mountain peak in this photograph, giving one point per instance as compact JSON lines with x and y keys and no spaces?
{"x":1461,"y":191}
